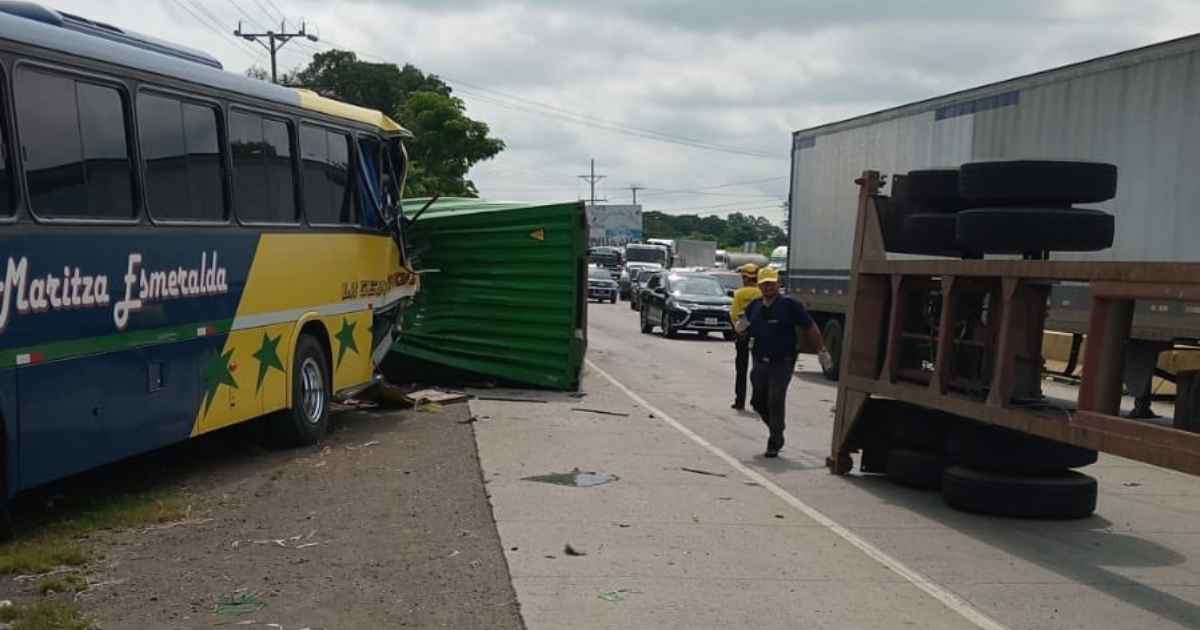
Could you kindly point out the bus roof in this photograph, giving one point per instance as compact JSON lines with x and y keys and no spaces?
{"x":311,"y":100}
{"x":30,"y":24}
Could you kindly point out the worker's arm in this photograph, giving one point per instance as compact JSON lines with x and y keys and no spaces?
{"x":815,"y":340}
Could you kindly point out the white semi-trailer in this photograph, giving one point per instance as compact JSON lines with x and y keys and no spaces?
{"x":1138,"y":109}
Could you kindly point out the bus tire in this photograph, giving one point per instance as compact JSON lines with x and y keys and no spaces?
{"x":1063,"y":496}
{"x":832,"y":334}
{"x":307,"y":421}
{"x":1037,"y":182}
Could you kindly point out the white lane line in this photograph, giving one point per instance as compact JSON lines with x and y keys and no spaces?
{"x":947,"y":598}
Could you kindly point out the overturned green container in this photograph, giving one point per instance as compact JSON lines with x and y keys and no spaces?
{"x":503,"y":290}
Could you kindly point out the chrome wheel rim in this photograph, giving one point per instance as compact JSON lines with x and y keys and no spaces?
{"x":312,"y":394}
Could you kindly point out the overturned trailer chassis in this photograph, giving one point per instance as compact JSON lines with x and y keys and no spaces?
{"x":963,"y":337}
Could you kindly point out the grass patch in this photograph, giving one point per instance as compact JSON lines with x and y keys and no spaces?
{"x":54,"y":539}
{"x":62,"y":583}
{"x":46,"y":614}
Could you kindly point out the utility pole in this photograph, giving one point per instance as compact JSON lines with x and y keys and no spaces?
{"x":275,"y":41}
{"x":634,"y":189}
{"x":592,"y":179}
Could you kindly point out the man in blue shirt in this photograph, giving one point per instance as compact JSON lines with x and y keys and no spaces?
{"x":776,"y":325}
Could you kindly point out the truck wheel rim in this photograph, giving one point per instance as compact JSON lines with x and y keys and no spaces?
{"x":312,"y":384}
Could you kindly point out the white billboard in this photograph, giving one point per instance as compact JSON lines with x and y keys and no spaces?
{"x":614,"y":225}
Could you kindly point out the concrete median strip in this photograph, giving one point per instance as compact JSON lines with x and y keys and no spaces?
{"x":949,"y":599}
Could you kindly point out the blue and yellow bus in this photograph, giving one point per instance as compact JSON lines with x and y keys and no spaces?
{"x":182,"y":248}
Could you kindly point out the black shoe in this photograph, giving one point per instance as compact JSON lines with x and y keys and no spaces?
{"x":737,"y":405}
{"x":771,"y":452}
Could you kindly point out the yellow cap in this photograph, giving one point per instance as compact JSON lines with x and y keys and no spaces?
{"x":748,"y":269}
{"x":768,"y":274}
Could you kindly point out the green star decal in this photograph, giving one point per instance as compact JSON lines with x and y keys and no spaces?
{"x":216,"y":375}
{"x":268,"y":357}
{"x":345,"y":337}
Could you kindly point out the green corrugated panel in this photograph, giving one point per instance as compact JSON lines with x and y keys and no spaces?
{"x":502,"y":290}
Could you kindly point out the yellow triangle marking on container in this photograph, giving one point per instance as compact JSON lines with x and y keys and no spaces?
{"x":538,"y":234}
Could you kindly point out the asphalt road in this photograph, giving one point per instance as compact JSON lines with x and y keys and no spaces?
{"x":782,"y":543}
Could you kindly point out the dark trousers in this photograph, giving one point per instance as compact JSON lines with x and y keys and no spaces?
{"x":770,"y":379}
{"x":741,"y":364}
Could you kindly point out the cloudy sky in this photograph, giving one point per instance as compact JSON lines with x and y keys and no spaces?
{"x":693,"y":101}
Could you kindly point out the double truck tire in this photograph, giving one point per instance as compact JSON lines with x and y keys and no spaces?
{"x":1007,"y":473}
{"x":1067,"y":495}
{"x":1009,"y":207}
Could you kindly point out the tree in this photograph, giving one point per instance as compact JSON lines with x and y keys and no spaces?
{"x":730,"y":232}
{"x":445,"y":145}
{"x":447,"y":142}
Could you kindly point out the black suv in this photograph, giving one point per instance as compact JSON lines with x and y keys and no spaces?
{"x":685,"y":301}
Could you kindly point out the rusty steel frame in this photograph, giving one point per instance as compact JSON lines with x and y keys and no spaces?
{"x":870,"y":356}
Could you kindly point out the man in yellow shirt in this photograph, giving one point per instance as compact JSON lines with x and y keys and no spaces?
{"x":741,"y":299}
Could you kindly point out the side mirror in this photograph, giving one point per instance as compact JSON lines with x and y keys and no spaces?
{"x":729,"y":293}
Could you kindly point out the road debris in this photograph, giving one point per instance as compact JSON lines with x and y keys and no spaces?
{"x":1131,"y":484}
{"x":571,"y":551}
{"x":601,"y":412}
{"x":574,"y":478}
{"x":183,"y":523}
{"x":614,"y":596}
{"x":430,"y":408}
{"x":239,"y":603}
{"x":292,"y":542}
{"x":435,"y":396}
{"x":703,"y":472}
{"x":509,"y":399}
{"x":364,"y":445}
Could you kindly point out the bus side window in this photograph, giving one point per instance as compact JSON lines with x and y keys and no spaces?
{"x":7,"y":188}
{"x":328,"y":196}
{"x":182,"y":160}
{"x":74,"y":138}
{"x":372,"y":164}
{"x":264,"y":182}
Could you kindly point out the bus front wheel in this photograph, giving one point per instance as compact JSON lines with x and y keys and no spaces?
{"x":307,"y":421}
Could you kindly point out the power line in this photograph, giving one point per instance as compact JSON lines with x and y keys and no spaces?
{"x":567,"y":112}
{"x":543,"y":109}
{"x":604,"y":126}
{"x":659,"y":192}
{"x":713,"y":194}
{"x":729,"y":204}
{"x":261,"y":7}
{"x":275,"y":41}
{"x":253,"y":22}
{"x":203,"y":21}
{"x":276,"y":7}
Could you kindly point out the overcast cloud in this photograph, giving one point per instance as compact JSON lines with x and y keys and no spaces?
{"x":738,"y":75}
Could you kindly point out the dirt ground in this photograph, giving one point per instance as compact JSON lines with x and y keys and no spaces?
{"x":385,"y":525}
